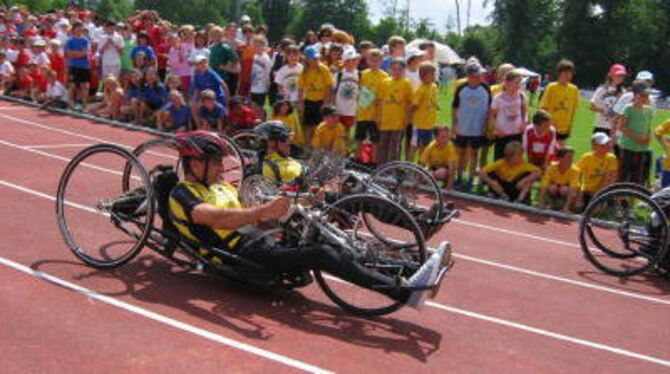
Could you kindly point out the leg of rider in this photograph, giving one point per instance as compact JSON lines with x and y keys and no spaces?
{"x":321,"y":257}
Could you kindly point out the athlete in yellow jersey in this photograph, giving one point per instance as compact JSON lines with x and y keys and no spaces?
{"x":276,"y":164}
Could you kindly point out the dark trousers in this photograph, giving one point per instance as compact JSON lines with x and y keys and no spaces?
{"x":501,"y":142}
{"x":320,"y":257}
{"x":635,"y":166}
{"x":509,"y":186}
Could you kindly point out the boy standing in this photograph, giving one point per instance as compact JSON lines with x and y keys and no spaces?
{"x":372,"y":78}
{"x":635,"y":137}
{"x":396,"y":46}
{"x":77,"y":49}
{"x":286,"y":77}
{"x":315,"y":86}
{"x":469,"y":114}
{"x":395,"y":95}
{"x":347,"y":89}
{"x":424,"y":111}
{"x":561,"y":100}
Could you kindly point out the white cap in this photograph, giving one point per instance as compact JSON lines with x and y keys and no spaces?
{"x":645,"y":75}
{"x":40,"y":43}
{"x":198,"y":59}
{"x":63,"y":22}
{"x":350,"y":54}
{"x":600,"y":138}
{"x":414,"y":53}
{"x":245,"y":18}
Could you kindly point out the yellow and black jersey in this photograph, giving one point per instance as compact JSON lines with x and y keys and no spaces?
{"x":186,"y":196}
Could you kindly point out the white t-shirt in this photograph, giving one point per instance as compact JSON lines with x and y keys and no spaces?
{"x":6,"y":68}
{"x":111,"y":55}
{"x":605,"y":98}
{"x":413,"y":77}
{"x":287,"y":78}
{"x":56,"y":90}
{"x":627,"y":99}
{"x":348,"y":89}
{"x":41,"y":59}
{"x":12,"y":55}
{"x":260,"y":74}
{"x":509,"y":119}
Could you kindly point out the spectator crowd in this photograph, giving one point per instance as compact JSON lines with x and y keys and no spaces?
{"x":377,"y":104}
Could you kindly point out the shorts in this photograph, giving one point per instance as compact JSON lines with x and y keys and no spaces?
{"x":312,"y":116}
{"x":347,"y":121}
{"x":562,"y":136}
{"x":421,"y":138}
{"x":79,"y":75}
{"x":470,"y":141}
{"x":365,"y":130}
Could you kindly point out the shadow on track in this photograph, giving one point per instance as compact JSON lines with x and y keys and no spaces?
{"x":245,"y":309}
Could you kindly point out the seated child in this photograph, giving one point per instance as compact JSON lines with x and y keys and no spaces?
{"x":176,"y":115}
{"x":112,"y":100}
{"x":560,"y":181}
{"x":283,"y":111}
{"x":511,"y":178}
{"x":440,"y":157}
{"x":56,"y":94}
{"x":598,"y":168}
{"x":539,"y":139}
{"x":330,"y":134}
{"x":241,"y":115}
{"x":211,"y":114}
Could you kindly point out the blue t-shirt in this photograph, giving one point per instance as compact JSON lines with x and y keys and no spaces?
{"x":181,"y":117}
{"x":155,"y":95}
{"x":209,"y":80}
{"x":386,"y":63}
{"x":148,"y":51}
{"x":472,"y":106}
{"x":135,"y":92}
{"x":213,"y":115}
{"x":79,"y":45}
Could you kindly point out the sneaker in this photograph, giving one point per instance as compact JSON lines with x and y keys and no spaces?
{"x":425,"y":276}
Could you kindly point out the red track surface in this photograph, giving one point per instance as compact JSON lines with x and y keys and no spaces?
{"x":520,"y":300}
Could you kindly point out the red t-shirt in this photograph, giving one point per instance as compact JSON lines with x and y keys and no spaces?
{"x":49,"y":34}
{"x":161,"y":47}
{"x":25,"y":82}
{"x":58,"y":65}
{"x":22,"y":59}
{"x":537,"y":146}
{"x":39,"y":79}
{"x":242,"y":116}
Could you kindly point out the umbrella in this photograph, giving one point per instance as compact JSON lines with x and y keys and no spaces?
{"x":443,"y":53}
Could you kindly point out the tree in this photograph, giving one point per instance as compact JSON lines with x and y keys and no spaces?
{"x":115,"y":10}
{"x":197,"y":12}
{"x":349,"y":15}
{"x":277,"y":15}
{"x":458,"y":16}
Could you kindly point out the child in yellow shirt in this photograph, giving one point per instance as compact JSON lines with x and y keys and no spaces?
{"x":440,"y":157}
{"x":511,"y":177}
{"x":560,"y":180}
{"x":598,"y":168}
{"x":283,"y":111}
{"x":662,"y":133}
{"x":315,"y":86}
{"x":396,"y":95}
{"x":330,"y":134}
{"x":561,"y":100}
{"x":424,"y":110}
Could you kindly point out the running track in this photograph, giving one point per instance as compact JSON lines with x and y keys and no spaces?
{"x":520,"y":300}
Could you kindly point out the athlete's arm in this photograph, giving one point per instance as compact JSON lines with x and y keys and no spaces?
{"x":232,"y":219}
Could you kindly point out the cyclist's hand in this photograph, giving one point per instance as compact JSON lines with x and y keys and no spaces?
{"x":276,"y":208}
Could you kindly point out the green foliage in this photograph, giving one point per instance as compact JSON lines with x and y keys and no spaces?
{"x":277,"y":15}
{"x":350,"y":15}
{"x":115,"y":9}
{"x":197,"y":12}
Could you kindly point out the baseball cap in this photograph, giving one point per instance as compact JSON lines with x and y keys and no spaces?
{"x":312,"y":53}
{"x":350,"y":54}
{"x":617,"y":69}
{"x":40,"y":43}
{"x":208,"y":94}
{"x":199,"y":58}
{"x":645,"y":75}
{"x":600,"y":138}
{"x":412,"y":53}
{"x":474,"y":68}
{"x":640,"y":88}
{"x":328,"y":111}
{"x":245,"y":18}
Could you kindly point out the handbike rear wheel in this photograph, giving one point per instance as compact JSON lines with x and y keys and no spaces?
{"x":624,"y":186}
{"x":628,"y":230}
{"x":102,"y":224}
{"x":400,"y":260}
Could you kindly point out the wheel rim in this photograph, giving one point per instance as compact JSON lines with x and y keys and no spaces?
{"x":88,"y":206}
{"x":623,"y":232}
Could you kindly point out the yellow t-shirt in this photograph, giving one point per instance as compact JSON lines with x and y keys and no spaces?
{"x":663,"y":129}
{"x":553,"y":175}
{"x":509,"y":173}
{"x":289,"y":169}
{"x":561,"y":101}
{"x":317,"y":83}
{"x":330,"y":138}
{"x":496,"y":89}
{"x":458,"y":83}
{"x":396,"y":96}
{"x":371,"y":80}
{"x":593,"y":170}
{"x":436,"y":156}
{"x":425,"y":103}
{"x":297,"y":135}
{"x":187,"y":195}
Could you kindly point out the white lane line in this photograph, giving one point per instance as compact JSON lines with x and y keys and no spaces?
{"x":551,"y":334}
{"x":573,"y":282}
{"x":459,"y":221}
{"x":535,"y":330}
{"x":457,"y":255}
{"x":82,"y":136}
{"x":167,"y":320}
{"x":496,"y":320}
{"x":50,"y":146}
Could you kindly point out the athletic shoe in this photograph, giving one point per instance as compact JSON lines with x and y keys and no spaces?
{"x":425,"y":276}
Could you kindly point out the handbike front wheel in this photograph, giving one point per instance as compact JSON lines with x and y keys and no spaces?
{"x":623,"y":233}
{"x":103,"y":224}
{"x":394,"y":262}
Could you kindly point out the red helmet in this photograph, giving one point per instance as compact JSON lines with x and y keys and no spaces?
{"x":200,"y":144}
